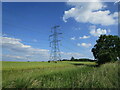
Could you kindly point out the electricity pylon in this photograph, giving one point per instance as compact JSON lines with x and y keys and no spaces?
{"x":54,"y":44}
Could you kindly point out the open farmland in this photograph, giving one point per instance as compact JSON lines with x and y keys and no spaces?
{"x":65,"y":74}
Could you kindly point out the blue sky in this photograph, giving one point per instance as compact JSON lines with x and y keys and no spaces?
{"x":26,"y":28}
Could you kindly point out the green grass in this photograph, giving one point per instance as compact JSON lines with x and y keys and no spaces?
{"x":31,"y":65}
{"x":59,"y":75}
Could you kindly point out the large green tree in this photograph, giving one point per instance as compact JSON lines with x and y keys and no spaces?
{"x":107,"y":49}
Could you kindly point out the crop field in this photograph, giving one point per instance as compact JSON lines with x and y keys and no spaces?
{"x":64,"y":74}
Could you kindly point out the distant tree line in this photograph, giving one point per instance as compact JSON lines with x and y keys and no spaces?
{"x":81,"y":59}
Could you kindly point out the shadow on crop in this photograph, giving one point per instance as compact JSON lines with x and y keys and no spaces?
{"x":78,"y":64}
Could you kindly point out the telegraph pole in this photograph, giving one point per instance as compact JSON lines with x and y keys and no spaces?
{"x":54,"y":44}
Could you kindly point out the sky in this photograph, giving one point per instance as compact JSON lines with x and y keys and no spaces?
{"x":26,"y":27}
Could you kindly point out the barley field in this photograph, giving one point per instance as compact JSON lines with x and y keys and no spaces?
{"x":64,"y":74}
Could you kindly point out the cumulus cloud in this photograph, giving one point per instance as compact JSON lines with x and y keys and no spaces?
{"x":19,"y":51}
{"x":73,"y":38}
{"x":84,"y":44}
{"x":15,"y":50}
{"x":117,"y":1}
{"x":76,"y":28}
{"x":84,"y":37}
{"x":90,"y":12}
{"x":98,"y":31}
{"x":13,"y":57}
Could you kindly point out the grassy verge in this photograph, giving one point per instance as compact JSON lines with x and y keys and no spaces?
{"x":60,"y":75}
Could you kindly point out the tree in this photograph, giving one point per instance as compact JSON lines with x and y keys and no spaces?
{"x":107,"y":49}
{"x":72,"y":59}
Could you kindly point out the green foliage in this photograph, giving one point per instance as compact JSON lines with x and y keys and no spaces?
{"x":72,"y":59}
{"x":81,"y":59}
{"x":85,"y":59}
{"x":107,"y":49}
{"x":63,"y":75}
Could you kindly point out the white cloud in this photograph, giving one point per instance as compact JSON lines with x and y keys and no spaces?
{"x":115,"y":15}
{"x":19,"y":51}
{"x":90,"y":12}
{"x":84,"y":44}
{"x":4,"y":34}
{"x":12,"y":57}
{"x":84,"y":37}
{"x":15,"y":50}
{"x":78,"y":44}
{"x":76,"y":28}
{"x":93,"y":0}
{"x":117,"y":1}
{"x":73,"y":38}
{"x":98,"y":31}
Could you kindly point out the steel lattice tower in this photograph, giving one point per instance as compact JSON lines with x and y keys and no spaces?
{"x":54,"y":44}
